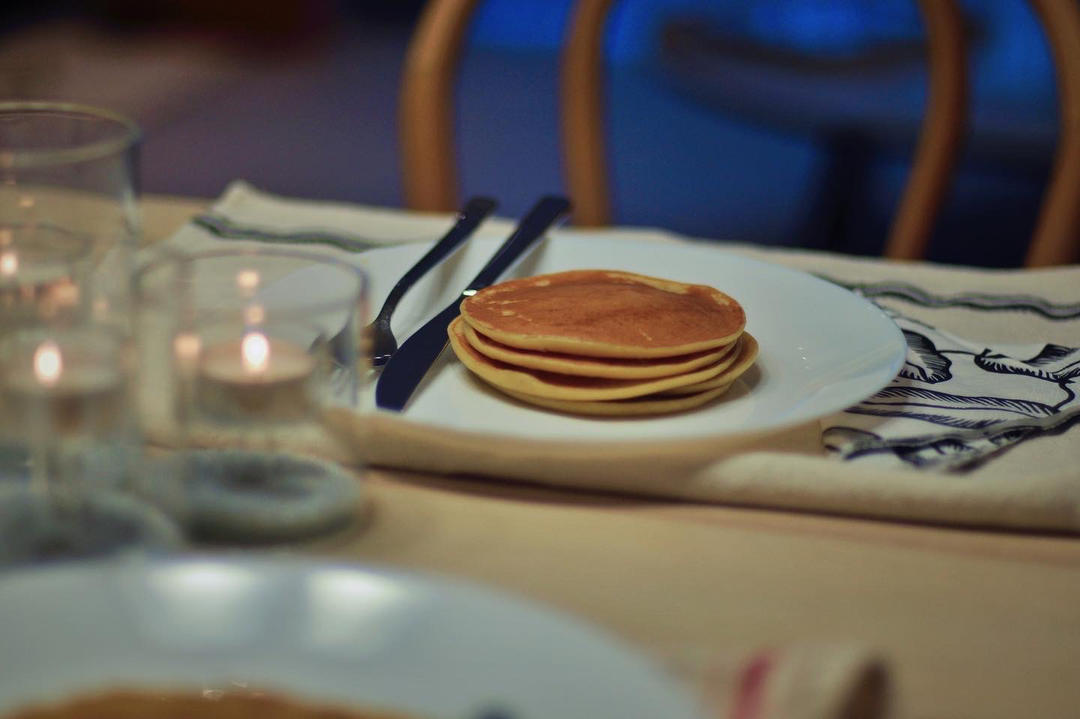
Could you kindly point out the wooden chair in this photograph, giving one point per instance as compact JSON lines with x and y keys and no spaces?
{"x":427,"y":131}
{"x":1057,"y":234}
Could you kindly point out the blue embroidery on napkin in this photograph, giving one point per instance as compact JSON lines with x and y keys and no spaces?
{"x":225,"y":229}
{"x":966,"y":300}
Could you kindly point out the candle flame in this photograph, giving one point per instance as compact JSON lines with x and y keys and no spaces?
{"x":9,"y":263}
{"x":255,"y":352}
{"x":247,"y":279}
{"x":48,"y":363}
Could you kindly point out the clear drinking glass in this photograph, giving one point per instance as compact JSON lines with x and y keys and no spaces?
{"x":68,"y":230}
{"x":66,"y":396}
{"x":252,"y":340}
{"x":68,"y":178}
{"x":240,"y":350}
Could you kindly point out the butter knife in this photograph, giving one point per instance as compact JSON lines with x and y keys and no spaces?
{"x":407,"y":367}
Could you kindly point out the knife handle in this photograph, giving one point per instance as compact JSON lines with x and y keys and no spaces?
{"x":534,"y":224}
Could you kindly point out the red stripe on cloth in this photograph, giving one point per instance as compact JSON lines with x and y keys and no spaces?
{"x":748,"y":697}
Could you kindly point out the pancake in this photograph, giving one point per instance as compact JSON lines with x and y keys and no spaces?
{"x":563,"y":386}
{"x":638,"y":406}
{"x":748,"y":352}
{"x":604,"y":313}
{"x":612,"y":367}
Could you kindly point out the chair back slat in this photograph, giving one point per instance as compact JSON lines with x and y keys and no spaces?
{"x":582,"y":114}
{"x":944,"y":122}
{"x":426,"y":121}
{"x":1056,"y":239}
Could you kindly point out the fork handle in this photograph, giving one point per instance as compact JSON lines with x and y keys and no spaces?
{"x":469,"y":218}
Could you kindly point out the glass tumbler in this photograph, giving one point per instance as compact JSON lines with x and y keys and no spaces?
{"x":68,"y":229}
{"x":66,"y":390}
{"x":241,"y":349}
{"x":69,"y":178}
{"x":248,"y":340}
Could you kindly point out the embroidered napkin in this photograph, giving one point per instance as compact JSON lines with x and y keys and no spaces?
{"x":957,"y":402}
{"x":978,"y":428}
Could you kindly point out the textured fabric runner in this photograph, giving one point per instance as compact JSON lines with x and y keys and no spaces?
{"x":980,"y":427}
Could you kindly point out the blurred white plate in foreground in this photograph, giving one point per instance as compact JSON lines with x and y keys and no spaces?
{"x":321,"y":631}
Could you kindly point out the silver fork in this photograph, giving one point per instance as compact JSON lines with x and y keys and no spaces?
{"x":378,"y":333}
{"x":383,"y":342}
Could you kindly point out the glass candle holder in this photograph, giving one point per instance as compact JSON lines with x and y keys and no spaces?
{"x":66,"y":394}
{"x":240,"y":350}
{"x":64,"y":390}
{"x":250,"y":339}
{"x":69,"y":225}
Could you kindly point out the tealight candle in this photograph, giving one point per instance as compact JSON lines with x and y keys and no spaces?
{"x":256,"y":377}
{"x":68,"y":389}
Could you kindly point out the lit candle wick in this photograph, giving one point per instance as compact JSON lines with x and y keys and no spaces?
{"x":9,"y":263}
{"x":255,"y":352}
{"x":48,"y":364}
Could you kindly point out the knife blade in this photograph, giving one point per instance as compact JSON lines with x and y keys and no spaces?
{"x":407,"y":367}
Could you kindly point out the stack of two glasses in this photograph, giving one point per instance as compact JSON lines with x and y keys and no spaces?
{"x":68,"y":228}
{"x":86,"y":339}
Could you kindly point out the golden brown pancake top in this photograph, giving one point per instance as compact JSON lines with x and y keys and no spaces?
{"x":605,"y":313}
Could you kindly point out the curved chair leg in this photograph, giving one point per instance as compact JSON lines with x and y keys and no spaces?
{"x":582,"y":93}
{"x":1057,"y":234}
{"x":942,"y":130}
{"x":429,"y":167}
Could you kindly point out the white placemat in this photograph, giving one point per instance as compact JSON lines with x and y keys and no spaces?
{"x":980,"y":427}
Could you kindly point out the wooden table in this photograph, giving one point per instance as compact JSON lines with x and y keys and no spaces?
{"x":976,"y":623}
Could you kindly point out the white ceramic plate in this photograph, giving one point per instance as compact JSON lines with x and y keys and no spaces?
{"x":822,"y":347}
{"x":320,"y":631}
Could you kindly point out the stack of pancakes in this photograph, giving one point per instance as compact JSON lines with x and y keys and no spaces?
{"x":602,"y":342}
